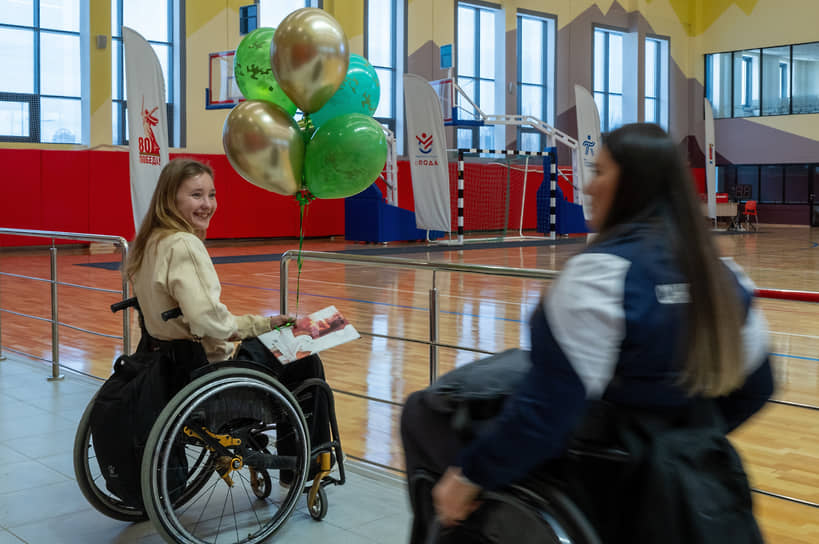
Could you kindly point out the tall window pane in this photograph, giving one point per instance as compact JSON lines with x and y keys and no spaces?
{"x":16,"y":61}
{"x":60,"y":64}
{"x":776,"y":80}
{"x":155,"y":21}
{"x":806,"y":78}
{"x":385,"y":105}
{"x":771,"y":181}
{"x":381,"y":50}
{"x":608,"y":77}
{"x":718,"y":87}
{"x":796,"y":184}
{"x":746,"y":83}
{"x":466,"y":41}
{"x":536,"y":62}
{"x":476,"y":53}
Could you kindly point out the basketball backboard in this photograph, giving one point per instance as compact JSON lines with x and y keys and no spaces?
{"x":222,"y":91}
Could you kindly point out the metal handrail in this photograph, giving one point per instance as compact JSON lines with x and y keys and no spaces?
{"x":55,"y":322}
{"x":392,"y":262}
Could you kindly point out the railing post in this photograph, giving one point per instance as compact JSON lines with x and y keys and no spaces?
{"x":2,"y":357}
{"x":55,"y":319}
{"x":433,"y":331}
{"x":283,"y":277}
{"x":126,"y":293}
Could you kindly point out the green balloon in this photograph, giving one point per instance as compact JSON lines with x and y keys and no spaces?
{"x":359,"y":93}
{"x":254,"y":76}
{"x":345,"y":156}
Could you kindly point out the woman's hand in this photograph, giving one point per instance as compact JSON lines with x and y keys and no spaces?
{"x":454,"y":497}
{"x":280,"y":320}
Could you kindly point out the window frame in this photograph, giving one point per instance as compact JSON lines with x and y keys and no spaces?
{"x":34,"y":98}
{"x":708,"y":83}
{"x":175,"y":107}
{"x":548,"y":23}
{"x":662,"y":83}
{"x":604,"y":115}
{"x":469,"y":125}
{"x":399,"y":68}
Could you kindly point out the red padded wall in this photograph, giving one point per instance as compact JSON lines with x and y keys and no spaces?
{"x":89,"y":192}
{"x":64,"y":191}
{"x":20,"y":195}
{"x":109,"y":194}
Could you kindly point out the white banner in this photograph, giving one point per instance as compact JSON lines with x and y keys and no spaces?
{"x":588,"y":144}
{"x":426,"y":147}
{"x":710,"y":161}
{"x":147,"y":120}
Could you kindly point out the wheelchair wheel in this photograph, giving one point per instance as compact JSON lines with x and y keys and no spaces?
{"x":319,"y":508}
{"x":252,"y":429}
{"x":90,"y":479}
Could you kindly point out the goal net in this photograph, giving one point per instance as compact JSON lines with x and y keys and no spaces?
{"x":494,"y":194}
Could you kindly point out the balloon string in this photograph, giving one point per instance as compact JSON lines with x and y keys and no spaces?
{"x":303,"y":198}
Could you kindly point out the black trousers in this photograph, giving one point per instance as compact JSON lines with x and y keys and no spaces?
{"x":314,"y":402}
{"x":430,"y":446}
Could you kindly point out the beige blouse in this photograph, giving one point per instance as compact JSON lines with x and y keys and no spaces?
{"x":177,"y":271}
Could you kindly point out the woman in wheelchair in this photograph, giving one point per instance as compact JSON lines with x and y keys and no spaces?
{"x":646,"y":318}
{"x":169,"y":267}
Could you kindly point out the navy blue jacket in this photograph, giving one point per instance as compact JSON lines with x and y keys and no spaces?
{"x":620,"y":306}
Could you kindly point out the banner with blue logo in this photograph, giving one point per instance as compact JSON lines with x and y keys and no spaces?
{"x":426,"y":148}
{"x":588,"y":143}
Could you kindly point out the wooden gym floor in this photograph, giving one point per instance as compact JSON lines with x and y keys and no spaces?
{"x":373,"y":375}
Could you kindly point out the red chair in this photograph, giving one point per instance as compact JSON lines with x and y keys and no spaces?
{"x":750,"y":210}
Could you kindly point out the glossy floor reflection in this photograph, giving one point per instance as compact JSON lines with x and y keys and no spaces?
{"x":479,"y":314}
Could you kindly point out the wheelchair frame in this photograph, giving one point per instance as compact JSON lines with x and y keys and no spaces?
{"x":227,"y":456}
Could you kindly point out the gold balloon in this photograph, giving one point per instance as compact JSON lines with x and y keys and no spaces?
{"x":309,"y":56}
{"x":265,"y":146}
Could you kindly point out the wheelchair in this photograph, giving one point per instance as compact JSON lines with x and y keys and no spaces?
{"x":214,"y":463}
{"x":540,"y":509}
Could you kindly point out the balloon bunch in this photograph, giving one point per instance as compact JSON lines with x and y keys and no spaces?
{"x":336,"y":149}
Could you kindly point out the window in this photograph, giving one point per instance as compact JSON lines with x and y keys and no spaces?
{"x":41,"y":91}
{"x":159,"y":22}
{"x":797,"y":182}
{"x":384,"y":29}
{"x":608,"y":77}
{"x":536,"y":75}
{"x":746,"y":83}
{"x":479,"y":54}
{"x":776,"y":81}
{"x":771,"y":184}
{"x":806,"y":78}
{"x":749,"y":175}
{"x":656,"y":81}
{"x":718,"y":83}
{"x":271,"y":12}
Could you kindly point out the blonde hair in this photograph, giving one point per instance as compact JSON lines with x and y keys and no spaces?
{"x":163,"y":215}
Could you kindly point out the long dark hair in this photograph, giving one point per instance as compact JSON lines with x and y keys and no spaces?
{"x":163,"y":214}
{"x":655,"y":185}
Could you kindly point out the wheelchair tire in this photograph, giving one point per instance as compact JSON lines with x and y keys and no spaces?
{"x":319,"y":508}
{"x":225,"y":403}
{"x":90,"y":479}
